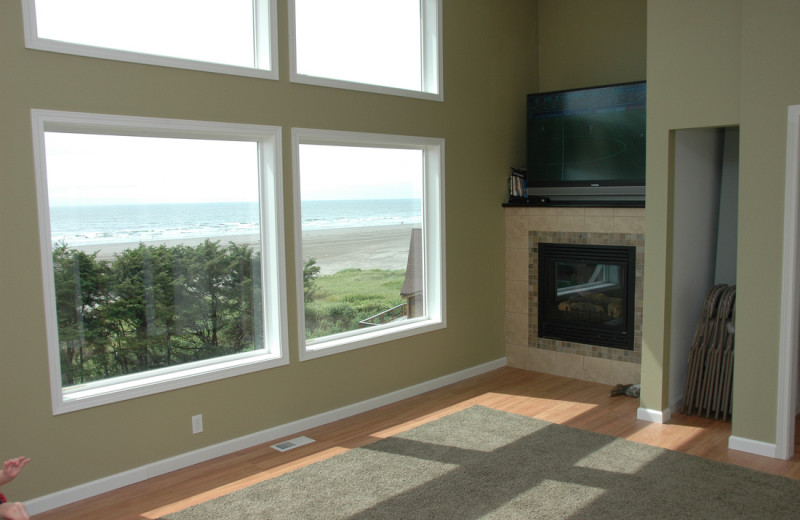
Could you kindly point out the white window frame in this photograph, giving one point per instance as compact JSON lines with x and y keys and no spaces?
{"x":265,"y":33}
{"x":433,"y":236}
{"x":431,"y":50}
{"x":273,"y":265}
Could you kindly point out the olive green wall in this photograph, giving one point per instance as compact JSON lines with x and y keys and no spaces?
{"x":770,"y":83}
{"x":490,"y":62}
{"x":720,"y":63}
{"x":692,"y":82}
{"x":584,"y":43}
{"x":708,"y":63}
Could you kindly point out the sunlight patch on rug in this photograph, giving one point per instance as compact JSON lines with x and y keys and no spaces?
{"x":565,"y":500}
{"x":619,"y":456}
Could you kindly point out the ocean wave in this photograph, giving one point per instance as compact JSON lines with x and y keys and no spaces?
{"x":121,"y":224}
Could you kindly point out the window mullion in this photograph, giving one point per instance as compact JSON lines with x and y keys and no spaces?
{"x":262,"y":35}
{"x":429,"y":33}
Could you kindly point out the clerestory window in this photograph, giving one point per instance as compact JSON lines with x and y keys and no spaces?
{"x":231,"y":36}
{"x":370,"y":211}
{"x":387,"y":46}
{"x":162,"y":253}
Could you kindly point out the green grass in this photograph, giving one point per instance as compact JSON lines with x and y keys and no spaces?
{"x":344,"y":298}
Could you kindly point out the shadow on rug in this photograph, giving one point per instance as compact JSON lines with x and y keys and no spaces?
{"x":484,"y":463}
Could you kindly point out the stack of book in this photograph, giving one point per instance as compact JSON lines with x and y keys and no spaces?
{"x":517,"y":185}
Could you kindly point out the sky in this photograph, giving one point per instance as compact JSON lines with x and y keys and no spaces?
{"x":371,"y":41}
{"x":90,"y":170}
{"x":354,"y":173}
{"x":120,"y":24}
{"x":102,"y":169}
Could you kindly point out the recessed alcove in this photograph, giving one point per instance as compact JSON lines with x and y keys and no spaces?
{"x":703,"y":234}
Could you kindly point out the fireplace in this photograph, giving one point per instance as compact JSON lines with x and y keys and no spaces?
{"x":587,"y":294}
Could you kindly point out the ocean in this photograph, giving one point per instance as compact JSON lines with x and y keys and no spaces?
{"x":82,"y":225}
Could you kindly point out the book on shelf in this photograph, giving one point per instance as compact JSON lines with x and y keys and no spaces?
{"x":517,"y":185}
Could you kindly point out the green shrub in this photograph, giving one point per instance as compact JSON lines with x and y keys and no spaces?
{"x":345,"y":298}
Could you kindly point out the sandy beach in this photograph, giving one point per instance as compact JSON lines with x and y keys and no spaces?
{"x":373,"y":247}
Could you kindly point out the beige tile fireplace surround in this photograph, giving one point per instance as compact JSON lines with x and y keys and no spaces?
{"x":525,"y":227}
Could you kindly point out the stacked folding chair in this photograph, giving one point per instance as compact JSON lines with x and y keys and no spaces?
{"x":710,"y":377}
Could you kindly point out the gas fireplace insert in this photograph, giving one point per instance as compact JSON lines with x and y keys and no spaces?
{"x":586,"y":294}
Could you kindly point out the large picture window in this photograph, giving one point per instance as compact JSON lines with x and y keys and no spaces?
{"x":231,"y":36}
{"x":387,"y":46}
{"x":162,"y":253}
{"x":371,"y":258}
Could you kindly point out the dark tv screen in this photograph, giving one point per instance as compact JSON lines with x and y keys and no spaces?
{"x":586,"y":138}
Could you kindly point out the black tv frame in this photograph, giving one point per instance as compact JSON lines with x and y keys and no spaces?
{"x":613,"y":188}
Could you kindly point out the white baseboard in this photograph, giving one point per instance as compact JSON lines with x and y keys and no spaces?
{"x":765,"y":449}
{"x":653,"y":416}
{"x":103,"y":485}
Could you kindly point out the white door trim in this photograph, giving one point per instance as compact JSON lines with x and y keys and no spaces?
{"x":790,"y":295}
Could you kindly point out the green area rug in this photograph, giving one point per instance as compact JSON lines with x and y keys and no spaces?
{"x":484,"y":463}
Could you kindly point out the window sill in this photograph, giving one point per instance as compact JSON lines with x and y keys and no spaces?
{"x":80,"y":397}
{"x":346,"y":342}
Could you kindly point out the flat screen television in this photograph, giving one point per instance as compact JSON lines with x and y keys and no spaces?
{"x":587,"y":145}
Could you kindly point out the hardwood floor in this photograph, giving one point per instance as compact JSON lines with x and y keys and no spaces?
{"x":556,"y":399}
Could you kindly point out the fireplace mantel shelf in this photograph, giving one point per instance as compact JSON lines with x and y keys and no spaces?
{"x":530,"y":203}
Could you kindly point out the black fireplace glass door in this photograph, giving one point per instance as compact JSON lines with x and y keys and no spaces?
{"x":586,"y":294}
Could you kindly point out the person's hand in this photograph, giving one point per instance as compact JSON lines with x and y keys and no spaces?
{"x":14,"y":511}
{"x":11,"y":469}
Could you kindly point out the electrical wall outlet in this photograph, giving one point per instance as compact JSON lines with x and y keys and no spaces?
{"x":197,"y":423}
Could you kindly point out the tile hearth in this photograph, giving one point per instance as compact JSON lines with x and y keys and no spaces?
{"x":525,"y":229}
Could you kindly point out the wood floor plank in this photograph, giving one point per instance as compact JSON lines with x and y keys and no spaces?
{"x":556,"y":399}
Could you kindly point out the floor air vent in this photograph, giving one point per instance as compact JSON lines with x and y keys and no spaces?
{"x":292,"y":443}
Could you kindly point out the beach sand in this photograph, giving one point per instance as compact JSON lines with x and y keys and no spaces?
{"x":372,"y":247}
